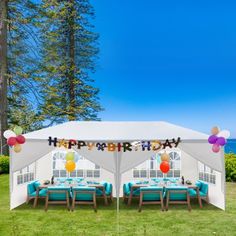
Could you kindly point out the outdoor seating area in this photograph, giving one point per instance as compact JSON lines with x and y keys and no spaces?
{"x":165,"y":191}
{"x":69,"y":192}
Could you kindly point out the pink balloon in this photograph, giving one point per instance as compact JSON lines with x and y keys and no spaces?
{"x":215,"y":148}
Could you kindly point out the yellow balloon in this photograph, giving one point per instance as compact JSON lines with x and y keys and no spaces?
{"x":165,"y":157}
{"x":215,"y":130}
{"x":70,"y":166}
{"x":17,"y":147}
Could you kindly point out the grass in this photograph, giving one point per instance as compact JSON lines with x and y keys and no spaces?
{"x":25,"y":220}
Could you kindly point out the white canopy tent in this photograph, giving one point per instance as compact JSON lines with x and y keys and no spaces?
{"x":194,"y":144}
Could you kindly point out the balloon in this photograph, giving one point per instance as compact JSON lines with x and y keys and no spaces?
{"x":11,"y":141}
{"x":70,"y":166}
{"x":165,"y":157}
{"x":224,"y":133}
{"x":212,"y":139}
{"x":215,"y":148}
{"x":221,"y":141}
{"x":18,"y":130}
{"x":20,"y":139}
{"x":17,"y":148}
{"x":70,"y":156}
{"x":164,"y":167}
{"x":215,"y":130}
{"x":9,"y":133}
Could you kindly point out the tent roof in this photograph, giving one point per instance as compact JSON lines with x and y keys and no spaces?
{"x":116,"y":131}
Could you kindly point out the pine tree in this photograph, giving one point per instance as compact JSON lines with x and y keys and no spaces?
{"x":3,"y":74}
{"x":23,"y":55}
{"x":18,"y":56}
{"x":69,"y":54}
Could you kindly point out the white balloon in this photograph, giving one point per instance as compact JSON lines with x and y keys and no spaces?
{"x":224,"y":133}
{"x":9,"y":133}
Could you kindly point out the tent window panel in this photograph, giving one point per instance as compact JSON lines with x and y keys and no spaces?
{"x":170,"y":173}
{"x":73,"y":174}
{"x":80,"y":173}
{"x":159,"y":174}
{"x":176,"y":173}
{"x":56,"y":173}
{"x":151,"y":167}
{"x":84,"y":168}
{"x":135,"y":173}
{"x":62,"y":173}
{"x":89,"y":173}
{"x":153,"y":173}
{"x":26,"y":174}
{"x":206,"y":174}
{"x":97,"y":174}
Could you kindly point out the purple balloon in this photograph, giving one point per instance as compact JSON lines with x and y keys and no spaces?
{"x":212,"y":139}
{"x":221,"y":141}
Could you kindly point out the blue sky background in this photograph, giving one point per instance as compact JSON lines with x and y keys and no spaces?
{"x":168,"y":60}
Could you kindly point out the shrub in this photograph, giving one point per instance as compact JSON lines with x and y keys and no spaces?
{"x":230,"y":167}
{"x":4,"y":164}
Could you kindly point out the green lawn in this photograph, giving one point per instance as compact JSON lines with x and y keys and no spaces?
{"x":151,"y":221}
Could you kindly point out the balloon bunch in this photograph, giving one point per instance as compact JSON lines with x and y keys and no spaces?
{"x":15,"y":138}
{"x":70,"y":161}
{"x":218,"y":138}
{"x":165,"y":166}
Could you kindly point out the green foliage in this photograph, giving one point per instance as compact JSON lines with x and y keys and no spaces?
{"x":22,"y":64}
{"x":230,"y":166}
{"x":4,"y":164}
{"x":69,"y":52}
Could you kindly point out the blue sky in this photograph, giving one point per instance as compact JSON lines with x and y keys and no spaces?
{"x":168,"y":60}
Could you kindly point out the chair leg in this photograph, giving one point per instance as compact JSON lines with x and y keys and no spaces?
{"x":188,"y":202}
{"x":167,"y":201}
{"x":27,"y":200}
{"x":94,"y":202}
{"x":200,"y":201}
{"x":35,"y":201}
{"x":46,"y":204}
{"x":67,"y":201}
{"x":162,"y":204}
{"x":207,"y":199}
{"x":130,"y":199}
{"x":140,"y":202}
{"x":73,"y":202}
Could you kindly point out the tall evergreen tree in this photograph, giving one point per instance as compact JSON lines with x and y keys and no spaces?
{"x":69,"y":54}
{"x":18,"y":57}
{"x":3,"y":74}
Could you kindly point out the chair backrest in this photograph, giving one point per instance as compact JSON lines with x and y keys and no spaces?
{"x":32,"y":187}
{"x":177,"y":193}
{"x":126,"y":188}
{"x":59,"y":193}
{"x":108,"y":188}
{"x":83,"y":193}
{"x":151,"y":193}
{"x":203,"y":187}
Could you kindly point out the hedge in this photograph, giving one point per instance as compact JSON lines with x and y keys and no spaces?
{"x":230,"y":167}
{"x":4,"y":164}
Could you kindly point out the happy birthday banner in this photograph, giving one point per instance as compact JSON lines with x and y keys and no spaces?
{"x":154,"y":145}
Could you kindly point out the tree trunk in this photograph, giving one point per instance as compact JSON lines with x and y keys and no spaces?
{"x":3,"y":75}
{"x":71,"y":75}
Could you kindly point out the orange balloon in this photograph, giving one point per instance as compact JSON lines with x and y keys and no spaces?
{"x":215,"y":130}
{"x":165,"y":157}
{"x":17,"y":147}
{"x":70,"y":166}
